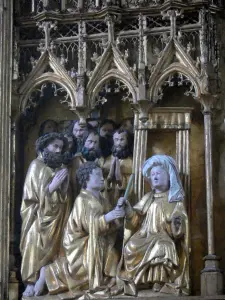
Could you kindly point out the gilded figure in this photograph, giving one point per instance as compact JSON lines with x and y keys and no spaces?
{"x":91,"y":259}
{"x":106,"y":130}
{"x":155,"y":250}
{"x":44,"y":211}
{"x":117,"y":167}
{"x":89,"y":152}
{"x":80,"y":134}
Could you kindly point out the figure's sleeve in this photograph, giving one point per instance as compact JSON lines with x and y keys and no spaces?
{"x":133,"y":222}
{"x":30,"y":201}
{"x":139,"y":209}
{"x":179,"y":215}
{"x":34,"y":186}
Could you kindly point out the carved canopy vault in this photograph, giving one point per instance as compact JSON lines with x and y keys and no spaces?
{"x":81,"y":49}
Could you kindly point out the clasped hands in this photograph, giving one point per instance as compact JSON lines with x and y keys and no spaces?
{"x":60,"y":180}
{"x":122,"y":209}
{"x":115,"y":171}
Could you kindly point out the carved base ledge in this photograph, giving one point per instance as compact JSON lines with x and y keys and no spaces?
{"x":149,"y":297}
{"x":143,"y":295}
{"x":211,"y":277}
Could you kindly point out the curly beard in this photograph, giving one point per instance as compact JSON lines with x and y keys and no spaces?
{"x":80,"y":144}
{"x":52,"y":160}
{"x":91,"y":154}
{"x":122,"y":153}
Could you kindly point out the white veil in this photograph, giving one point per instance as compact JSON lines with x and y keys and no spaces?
{"x":176,"y":191}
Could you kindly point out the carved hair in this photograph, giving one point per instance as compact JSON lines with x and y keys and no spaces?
{"x":84,"y":172}
{"x":129,"y":136}
{"x":92,"y":131}
{"x":43,"y":141}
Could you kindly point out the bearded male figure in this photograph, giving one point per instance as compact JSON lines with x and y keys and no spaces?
{"x":117,"y":167}
{"x":44,"y":211}
{"x":156,"y":254}
{"x":89,"y":240}
{"x":89,"y":152}
{"x":80,"y":134}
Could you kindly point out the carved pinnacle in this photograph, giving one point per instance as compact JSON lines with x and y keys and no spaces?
{"x":172,"y":14}
{"x":46,"y":27}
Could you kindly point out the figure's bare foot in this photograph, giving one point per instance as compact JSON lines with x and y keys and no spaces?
{"x":116,"y":291}
{"x":157,"y":287}
{"x":29,"y":291}
{"x":40,"y":284}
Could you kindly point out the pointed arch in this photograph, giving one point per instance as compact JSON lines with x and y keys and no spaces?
{"x":38,"y":76}
{"x":166,"y":66}
{"x":44,"y":78}
{"x":105,"y":71}
{"x":172,"y":69}
{"x":112,"y":74}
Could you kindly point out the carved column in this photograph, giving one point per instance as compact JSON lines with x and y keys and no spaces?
{"x":141,"y":109}
{"x":63,"y":5}
{"x":211,"y":275}
{"x":183,"y":160}
{"x":6,"y":20}
{"x":140,"y":147}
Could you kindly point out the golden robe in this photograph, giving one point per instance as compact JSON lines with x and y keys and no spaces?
{"x":112,"y":190}
{"x":156,"y":252}
{"x":43,"y":220}
{"x":89,"y":248}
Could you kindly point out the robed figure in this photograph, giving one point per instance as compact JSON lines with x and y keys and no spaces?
{"x":44,"y":211}
{"x":155,"y":253}
{"x":91,"y":259}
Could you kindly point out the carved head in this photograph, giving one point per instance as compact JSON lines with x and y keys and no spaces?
{"x":54,"y":142}
{"x":52,"y":146}
{"x":90,"y":176}
{"x":47,"y":126}
{"x":162,"y":173}
{"x":127,"y":124}
{"x":92,"y":141}
{"x":120,"y":139}
{"x":159,"y":179}
{"x":122,"y":144}
{"x":79,"y":131}
{"x":91,"y":149}
{"x":107,"y":128}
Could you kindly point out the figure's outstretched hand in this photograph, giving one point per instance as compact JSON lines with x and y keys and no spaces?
{"x":58,"y":179}
{"x":121,"y":201}
{"x":116,"y":213}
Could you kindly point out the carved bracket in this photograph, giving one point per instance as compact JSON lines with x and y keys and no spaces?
{"x":143,"y":107}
